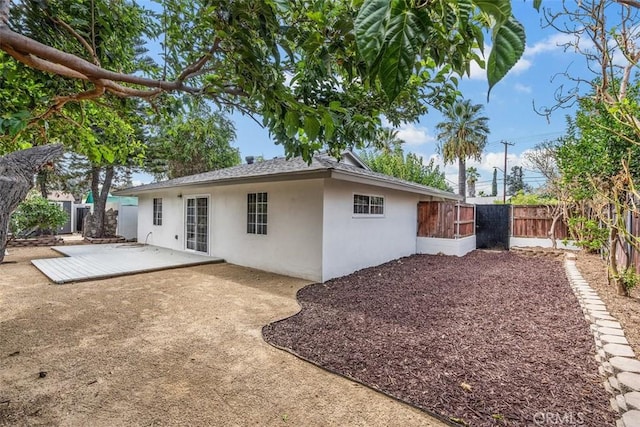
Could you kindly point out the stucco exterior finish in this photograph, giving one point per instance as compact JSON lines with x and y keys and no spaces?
{"x":456,"y":247}
{"x":172,"y":220}
{"x":351,"y":242}
{"x":292,"y":245}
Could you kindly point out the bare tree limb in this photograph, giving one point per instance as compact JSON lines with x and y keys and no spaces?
{"x":196,"y":66}
{"x":631,"y":3}
{"x":91,"y":51}
{"x":11,"y":41}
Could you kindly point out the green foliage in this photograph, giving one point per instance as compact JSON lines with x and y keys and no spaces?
{"x":409,"y":167}
{"x":494,"y":183}
{"x":36,"y":213}
{"x":396,"y":37}
{"x":531,"y":199}
{"x":508,"y":47}
{"x":515,"y":182}
{"x":629,"y":279}
{"x":194,"y":142}
{"x":115,"y":31}
{"x":472,"y":178}
{"x":596,"y":144}
{"x":463,"y":133}
{"x":328,"y":70}
{"x":588,"y":233}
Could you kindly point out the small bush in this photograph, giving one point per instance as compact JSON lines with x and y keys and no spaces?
{"x":629,"y":279}
{"x":588,"y":233}
{"x":36,"y":213}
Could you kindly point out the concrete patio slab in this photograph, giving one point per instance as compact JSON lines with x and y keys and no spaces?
{"x":91,"y":262}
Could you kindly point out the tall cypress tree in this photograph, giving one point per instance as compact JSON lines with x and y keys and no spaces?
{"x":494,"y":183}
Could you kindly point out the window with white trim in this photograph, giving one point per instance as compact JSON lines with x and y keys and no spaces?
{"x":157,"y":211}
{"x":257,"y":213}
{"x":368,"y":205}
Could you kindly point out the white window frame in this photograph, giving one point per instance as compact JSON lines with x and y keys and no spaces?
{"x":257,"y":225}
{"x":370,"y":197}
{"x":157,"y":215}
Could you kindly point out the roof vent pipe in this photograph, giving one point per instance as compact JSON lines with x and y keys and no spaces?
{"x":249,"y":160}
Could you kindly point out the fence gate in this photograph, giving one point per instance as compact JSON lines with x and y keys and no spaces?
{"x":492,"y":226}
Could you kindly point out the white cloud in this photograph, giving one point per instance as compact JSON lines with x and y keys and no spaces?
{"x":556,"y":42}
{"x":476,"y":72}
{"x":288,"y":77}
{"x":495,"y":160}
{"x":521,"y":66}
{"x":519,"y":87}
{"x":414,"y":135}
{"x":485,"y":167}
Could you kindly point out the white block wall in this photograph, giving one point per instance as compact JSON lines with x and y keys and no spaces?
{"x":525,"y":242}
{"x":456,"y":247}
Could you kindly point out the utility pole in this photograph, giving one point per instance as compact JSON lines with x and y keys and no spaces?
{"x":504,"y":181}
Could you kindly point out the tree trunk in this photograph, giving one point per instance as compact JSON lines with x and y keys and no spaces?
{"x":556,"y":214}
{"x":472,"y":189}
{"x":614,"y":273}
{"x":462,"y":178}
{"x":16,"y":179}
{"x":42,"y":183}
{"x":552,"y":231}
{"x":97,"y":228}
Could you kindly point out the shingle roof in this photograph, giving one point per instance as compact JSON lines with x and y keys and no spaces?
{"x":279,"y":167}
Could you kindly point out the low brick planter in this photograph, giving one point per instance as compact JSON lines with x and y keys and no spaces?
{"x":38,"y":241}
{"x":103,"y":240}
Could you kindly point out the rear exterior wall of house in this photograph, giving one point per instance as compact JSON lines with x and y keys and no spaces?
{"x":354,"y":241}
{"x":312,"y":229}
{"x":291,"y":246}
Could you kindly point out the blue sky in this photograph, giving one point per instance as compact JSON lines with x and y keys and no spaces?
{"x":510,"y":110}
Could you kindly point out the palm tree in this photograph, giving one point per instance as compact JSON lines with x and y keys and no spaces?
{"x":387,"y":141}
{"x":472,"y":178}
{"x":462,"y":135}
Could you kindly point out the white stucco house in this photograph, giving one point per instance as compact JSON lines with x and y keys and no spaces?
{"x":315,"y":221}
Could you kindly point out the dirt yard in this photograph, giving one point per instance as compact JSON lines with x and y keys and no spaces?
{"x":176,"y":347}
{"x":488,"y":339}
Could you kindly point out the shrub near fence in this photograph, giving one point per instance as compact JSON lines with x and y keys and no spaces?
{"x":535,"y":221}
{"x":448,"y":220}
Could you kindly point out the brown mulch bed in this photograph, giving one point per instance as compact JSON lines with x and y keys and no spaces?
{"x":488,"y":339}
{"x":625,"y":309}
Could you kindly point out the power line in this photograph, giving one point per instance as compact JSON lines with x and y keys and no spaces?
{"x":528,"y":138}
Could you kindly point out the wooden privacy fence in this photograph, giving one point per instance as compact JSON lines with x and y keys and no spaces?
{"x":535,"y":221}
{"x":449,"y":220}
{"x":622,"y":252}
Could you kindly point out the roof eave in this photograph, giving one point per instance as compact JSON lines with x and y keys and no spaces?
{"x":282,"y":176}
{"x":381,"y":182}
